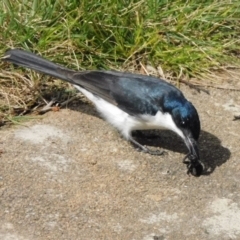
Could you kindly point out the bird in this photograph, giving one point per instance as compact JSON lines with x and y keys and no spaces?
{"x":128,"y":102}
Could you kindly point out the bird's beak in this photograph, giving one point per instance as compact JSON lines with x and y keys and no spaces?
{"x":192,"y":145}
{"x":194,"y":165}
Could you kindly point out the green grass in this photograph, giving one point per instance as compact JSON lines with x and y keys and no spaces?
{"x":182,"y":38}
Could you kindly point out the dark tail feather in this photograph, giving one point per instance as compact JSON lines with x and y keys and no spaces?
{"x":35,"y":62}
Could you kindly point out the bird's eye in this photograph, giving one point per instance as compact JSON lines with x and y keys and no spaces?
{"x":183,"y":123}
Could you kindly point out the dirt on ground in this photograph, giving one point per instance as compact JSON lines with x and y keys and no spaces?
{"x":70,"y":175}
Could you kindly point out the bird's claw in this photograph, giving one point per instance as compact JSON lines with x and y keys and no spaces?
{"x":151,"y":152}
{"x":155,"y":152}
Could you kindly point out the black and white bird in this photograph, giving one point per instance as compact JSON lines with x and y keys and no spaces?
{"x":128,"y":101}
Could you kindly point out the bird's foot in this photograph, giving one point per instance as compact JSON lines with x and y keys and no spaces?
{"x":144,"y":149}
{"x":152,"y":152}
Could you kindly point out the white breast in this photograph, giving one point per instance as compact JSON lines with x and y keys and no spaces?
{"x":126,"y":123}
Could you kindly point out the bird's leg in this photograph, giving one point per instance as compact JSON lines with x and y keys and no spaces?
{"x":145,"y":149}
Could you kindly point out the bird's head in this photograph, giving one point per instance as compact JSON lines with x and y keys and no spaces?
{"x":187,"y":120}
{"x":186,"y":124}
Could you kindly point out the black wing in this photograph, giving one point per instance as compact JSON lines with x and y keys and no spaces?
{"x":134,"y":93}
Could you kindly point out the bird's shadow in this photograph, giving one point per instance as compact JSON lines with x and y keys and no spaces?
{"x":212,"y":153}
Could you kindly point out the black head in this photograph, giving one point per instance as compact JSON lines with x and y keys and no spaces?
{"x":186,"y":118}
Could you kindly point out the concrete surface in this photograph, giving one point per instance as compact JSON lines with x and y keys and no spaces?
{"x":70,"y":175}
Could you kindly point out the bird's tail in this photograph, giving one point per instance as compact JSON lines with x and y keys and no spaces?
{"x":35,"y":62}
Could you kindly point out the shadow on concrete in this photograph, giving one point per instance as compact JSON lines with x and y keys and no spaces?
{"x":212,"y":153}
